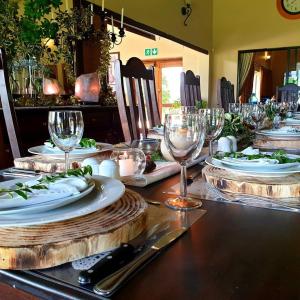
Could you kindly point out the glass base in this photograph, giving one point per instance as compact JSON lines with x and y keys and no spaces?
{"x":183,"y":203}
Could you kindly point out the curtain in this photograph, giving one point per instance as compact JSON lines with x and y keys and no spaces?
{"x":245,"y":63}
{"x":246,"y":74}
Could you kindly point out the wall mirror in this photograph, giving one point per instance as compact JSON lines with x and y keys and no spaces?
{"x":265,"y":71}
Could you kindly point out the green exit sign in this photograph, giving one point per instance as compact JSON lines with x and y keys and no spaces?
{"x":151,"y":51}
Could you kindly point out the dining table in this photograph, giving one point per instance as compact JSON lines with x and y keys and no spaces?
{"x":232,"y":252}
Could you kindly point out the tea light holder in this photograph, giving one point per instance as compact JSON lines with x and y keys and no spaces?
{"x":131,"y":161}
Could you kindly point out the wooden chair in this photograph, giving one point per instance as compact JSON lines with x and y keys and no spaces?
{"x":190,"y":90}
{"x":225,"y":92}
{"x":288,"y":92}
{"x":8,"y":108}
{"x":136,"y":95}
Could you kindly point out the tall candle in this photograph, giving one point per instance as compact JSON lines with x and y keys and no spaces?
{"x":112,"y":24}
{"x":92,"y":11}
{"x":102,"y":5}
{"x":122,"y":16}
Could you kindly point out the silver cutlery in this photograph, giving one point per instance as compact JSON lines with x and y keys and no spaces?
{"x":110,"y":284}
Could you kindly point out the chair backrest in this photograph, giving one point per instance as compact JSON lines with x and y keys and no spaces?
{"x":225,"y":92}
{"x":137,"y":100}
{"x":288,"y":92}
{"x":8,"y":108}
{"x":190,"y":90}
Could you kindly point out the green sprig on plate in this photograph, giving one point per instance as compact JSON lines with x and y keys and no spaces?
{"x":23,"y":190}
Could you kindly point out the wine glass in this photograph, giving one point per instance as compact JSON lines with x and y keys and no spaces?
{"x":214,"y":118}
{"x":184,"y":136}
{"x":257,"y":114}
{"x":66,"y":130}
{"x":235,"y":108}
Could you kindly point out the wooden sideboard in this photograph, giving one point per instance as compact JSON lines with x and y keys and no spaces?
{"x":100,"y":122}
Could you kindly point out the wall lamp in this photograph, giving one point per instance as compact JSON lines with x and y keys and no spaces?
{"x":186,"y":10}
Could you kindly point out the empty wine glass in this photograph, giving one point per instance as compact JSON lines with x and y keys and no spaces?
{"x":214,"y":118}
{"x":66,"y":130}
{"x":235,"y":108}
{"x":184,"y":137}
{"x":257,"y":114}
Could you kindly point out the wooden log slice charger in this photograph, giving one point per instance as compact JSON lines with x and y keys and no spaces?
{"x":275,"y":143}
{"x":48,"y":245}
{"x":233,"y":182}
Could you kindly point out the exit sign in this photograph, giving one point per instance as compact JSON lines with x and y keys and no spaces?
{"x":151,"y":51}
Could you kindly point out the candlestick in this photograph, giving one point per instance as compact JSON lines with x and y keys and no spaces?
{"x":92,"y":11}
{"x":122,"y":16}
{"x":112,"y":24}
{"x":102,"y":5}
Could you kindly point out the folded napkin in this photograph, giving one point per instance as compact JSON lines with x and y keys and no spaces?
{"x":162,"y":170}
{"x":250,"y":151}
{"x":62,"y":188}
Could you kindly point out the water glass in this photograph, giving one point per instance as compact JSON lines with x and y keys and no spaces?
{"x":66,"y":130}
{"x":214,"y":118}
{"x":184,"y":137}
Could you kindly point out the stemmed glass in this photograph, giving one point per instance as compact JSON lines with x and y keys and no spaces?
{"x":184,"y":137}
{"x":66,"y":130}
{"x":235,"y":108}
{"x":258,"y":114}
{"x":214,"y":118}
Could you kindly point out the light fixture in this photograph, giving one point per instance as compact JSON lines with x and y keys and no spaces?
{"x":186,"y":10}
{"x":267,"y":56}
{"x":116,"y":38}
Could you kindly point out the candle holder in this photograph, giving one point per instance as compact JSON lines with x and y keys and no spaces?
{"x":131,"y":161}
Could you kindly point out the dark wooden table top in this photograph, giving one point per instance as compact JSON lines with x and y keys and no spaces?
{"x":232,"y":252}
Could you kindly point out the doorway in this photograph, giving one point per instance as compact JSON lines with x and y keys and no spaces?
{"x":167,"y":75}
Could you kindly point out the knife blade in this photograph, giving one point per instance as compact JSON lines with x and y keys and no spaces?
{"x":120,"y":256}
{"x":109,"y":285}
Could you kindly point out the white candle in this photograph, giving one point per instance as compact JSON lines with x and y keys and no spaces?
{"x":92,"y":11}
{"x":102,"y":5}
{"x":112,"y":24}
{"x":126,"y":167}
{"x":122,"y":17}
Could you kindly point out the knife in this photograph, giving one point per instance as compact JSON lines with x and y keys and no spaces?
{"x":107,"y":286}
{"x":120,"y":256}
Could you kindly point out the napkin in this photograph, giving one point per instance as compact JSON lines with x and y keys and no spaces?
{"x":250,"y":151}
{"x":62,"y":188}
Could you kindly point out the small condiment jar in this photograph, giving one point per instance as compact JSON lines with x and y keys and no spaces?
{"x":93,"y":162}
{"x":109,"y":168}
{"x":233,"y":143}
{"x":224,"y":144}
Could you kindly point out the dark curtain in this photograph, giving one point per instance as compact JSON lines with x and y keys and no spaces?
{"x":266,"y":83}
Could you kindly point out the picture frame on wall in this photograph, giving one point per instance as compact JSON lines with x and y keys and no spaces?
{"x":111,"y":70}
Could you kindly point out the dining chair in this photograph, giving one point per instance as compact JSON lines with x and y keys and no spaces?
{"x":190,"y":90}
{"x":8,"y":108}
{"x":136,"y":96}
{"x":288,"y":92}
{"x":225,"y":92}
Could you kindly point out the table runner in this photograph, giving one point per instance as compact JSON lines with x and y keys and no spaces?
{"x":203,"y":190}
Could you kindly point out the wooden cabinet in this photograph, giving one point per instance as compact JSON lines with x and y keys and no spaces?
{"x":101,"y":123}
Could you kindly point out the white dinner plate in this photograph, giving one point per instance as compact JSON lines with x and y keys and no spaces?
{"x":42,"y":204}
{"x":291,"y":121}
{"x":278,"y":133}
{"x":76,"y":153}
{"x":254,"y":173}
{"x":257,"y":165}
{"x":106,"y":192}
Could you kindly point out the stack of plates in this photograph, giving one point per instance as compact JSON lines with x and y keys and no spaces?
{"x":258,"y":168}
{"x":100,"y":192}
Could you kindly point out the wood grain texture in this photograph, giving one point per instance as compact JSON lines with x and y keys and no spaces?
{"x":275,"y":188}
{"x":264,"y":142}
{"x":48,"y":245}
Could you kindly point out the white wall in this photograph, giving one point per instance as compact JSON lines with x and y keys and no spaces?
{"x":134,"y":45}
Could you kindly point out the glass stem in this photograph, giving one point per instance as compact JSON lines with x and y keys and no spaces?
{"x":211,"y":148}
{"x":67,"y":161}
{"x":183,"y":185}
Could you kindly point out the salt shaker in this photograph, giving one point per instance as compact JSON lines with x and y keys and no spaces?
{"x":109,"y":168}
{"x":94,"y":163}
{"x":224,"y":144}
